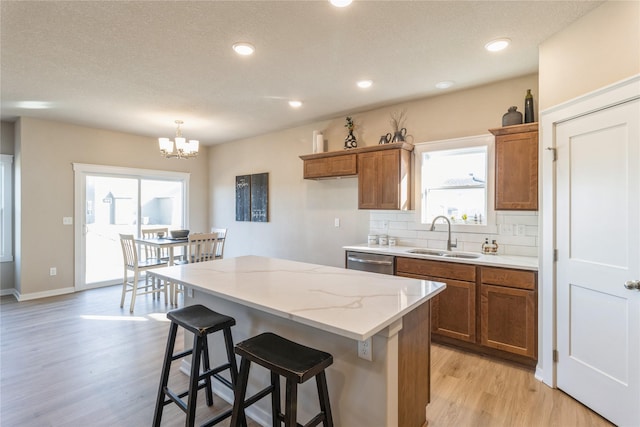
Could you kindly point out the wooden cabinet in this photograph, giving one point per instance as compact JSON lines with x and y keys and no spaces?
{"x":453,"y":311}
{"x":384,"y":173}
{"x":331,"y":166}
{"x":489,"y":310}
{"x":516,"y":157}
{"x":508,"y":313}
{"x":383,"y":180}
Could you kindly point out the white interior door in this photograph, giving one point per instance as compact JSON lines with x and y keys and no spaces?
{"x":598,"y":242}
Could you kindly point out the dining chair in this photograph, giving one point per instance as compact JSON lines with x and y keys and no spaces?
{"x":222,"y":237}
{"x":151,"y":252}
{"x":200,"y":247}
{"x":137,"y":266}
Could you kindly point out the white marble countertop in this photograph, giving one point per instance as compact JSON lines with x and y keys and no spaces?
{"x":506,"y":261}
{"x":350,"y":303}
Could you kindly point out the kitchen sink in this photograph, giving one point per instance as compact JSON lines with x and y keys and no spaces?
{"x":427,"y":252}
{"x":443,"y":254}
{"x":463,"y":256}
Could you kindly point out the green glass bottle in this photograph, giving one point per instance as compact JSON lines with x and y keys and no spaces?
{"x":528,"y":107}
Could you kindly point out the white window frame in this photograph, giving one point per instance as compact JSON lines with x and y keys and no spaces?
{"x":81,"y":170}
{"x":487,"y":140}
{"x":6,"y":208}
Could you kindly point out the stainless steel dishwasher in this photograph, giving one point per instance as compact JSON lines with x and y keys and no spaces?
{"x":374,"y":263}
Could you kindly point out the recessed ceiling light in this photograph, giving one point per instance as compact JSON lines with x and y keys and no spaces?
{"x":445,"y":84}
{"x":295,"y":104}
{"x":340,"y":3}
{"x":244,"y":48}
{"x":364,"y":84}
{"x":497,"y":45}
{"x":34,"y":105}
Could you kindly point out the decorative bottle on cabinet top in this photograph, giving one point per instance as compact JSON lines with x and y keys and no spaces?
{"x":528,"y":107}
{"x":512,"y":117}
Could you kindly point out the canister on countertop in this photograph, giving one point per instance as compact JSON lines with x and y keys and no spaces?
{"x":382,"y":240}
{"x":372,"y":240}
{"x":392,"y":241}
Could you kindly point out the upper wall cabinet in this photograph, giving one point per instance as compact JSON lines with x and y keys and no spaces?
{"x":516,"y":167}
{"x":330,"y":166}
{"x":384,"y":173}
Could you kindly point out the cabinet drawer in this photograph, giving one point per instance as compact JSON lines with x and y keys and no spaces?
{"x":326,"y":167}
{"x":447,"y":270}
{"x":506,"y":277}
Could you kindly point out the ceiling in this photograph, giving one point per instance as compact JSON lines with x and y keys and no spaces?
{"x":138,"y":66}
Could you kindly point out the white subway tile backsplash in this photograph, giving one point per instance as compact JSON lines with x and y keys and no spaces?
{"x":407,"y":228}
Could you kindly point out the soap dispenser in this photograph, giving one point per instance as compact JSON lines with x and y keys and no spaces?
{"x":494,"y":248}
{"x":485,"y":246}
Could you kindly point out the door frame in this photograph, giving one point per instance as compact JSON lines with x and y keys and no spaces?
{"x":623,"y":91}
{"x":81,"y":170}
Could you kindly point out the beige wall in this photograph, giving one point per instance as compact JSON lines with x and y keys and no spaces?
{"x":302,"y":212}
{"x":7,"y":136}
{"x":45,"y":151}
{"x":601,"y":48}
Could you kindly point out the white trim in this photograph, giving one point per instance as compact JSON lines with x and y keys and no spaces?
{"x":617,"y":93}
{"x":81,"y":170}
{"x":6,"y":209}
{"x":487,"y":140}
{"x":45,"y":294}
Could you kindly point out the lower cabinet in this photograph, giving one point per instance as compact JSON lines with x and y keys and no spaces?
{"x":508,"y":310}
{"x":485,"y":309}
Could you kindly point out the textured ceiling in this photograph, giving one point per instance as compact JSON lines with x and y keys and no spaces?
{"x":138,"y":66}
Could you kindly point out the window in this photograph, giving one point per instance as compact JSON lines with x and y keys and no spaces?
{"x":454,"y":180}
{"x":6,"y":207}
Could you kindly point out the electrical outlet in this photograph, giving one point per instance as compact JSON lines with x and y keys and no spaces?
{"x":385,"y":224}
{"x":53,"y":271}
{"x":336,"y":222}
{"x":506,"y":229}
{"x":521,"y":230}
{"x":365,"y":349}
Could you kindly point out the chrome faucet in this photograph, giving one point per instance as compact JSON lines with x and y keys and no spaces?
{"x":433,"y":227}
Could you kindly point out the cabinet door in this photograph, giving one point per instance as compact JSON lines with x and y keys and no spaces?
{"x":330,"y":167}
{"x":517,"y":171}
{"x":453,"y":311}
{"x":388,"y":179}
{"x":367,"y":180}
{"x":508,"y":319}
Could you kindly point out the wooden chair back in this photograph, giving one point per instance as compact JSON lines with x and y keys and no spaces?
{"x":222,"y":237}
{"x":202,"y":247}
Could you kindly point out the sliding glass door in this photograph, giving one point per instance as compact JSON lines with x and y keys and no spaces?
{"x":110,"y":201}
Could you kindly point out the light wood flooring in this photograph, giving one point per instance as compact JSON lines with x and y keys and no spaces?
{"x":79,"y":360}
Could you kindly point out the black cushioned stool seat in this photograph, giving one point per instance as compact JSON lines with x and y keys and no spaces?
{"x":296,"y":363}
{"x":201,"y":321}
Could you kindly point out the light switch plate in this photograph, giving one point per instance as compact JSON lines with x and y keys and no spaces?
{"x":67,"y":220}
{"x":506,"y":229}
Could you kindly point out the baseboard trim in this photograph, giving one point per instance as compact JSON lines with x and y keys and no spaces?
{"x":45,"y":294}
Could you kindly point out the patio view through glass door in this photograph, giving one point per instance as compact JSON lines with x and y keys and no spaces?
{"x":110,"y":204}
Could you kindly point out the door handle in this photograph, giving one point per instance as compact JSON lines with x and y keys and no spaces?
{"x":632,"y":284}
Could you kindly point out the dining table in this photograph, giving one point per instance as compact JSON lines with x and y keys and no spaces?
{"x":165,"y":243}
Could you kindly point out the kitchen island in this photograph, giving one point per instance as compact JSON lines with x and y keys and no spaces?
{"x":334,"y":310}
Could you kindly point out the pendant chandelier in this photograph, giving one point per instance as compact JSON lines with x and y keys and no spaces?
{"x":180,"y":148}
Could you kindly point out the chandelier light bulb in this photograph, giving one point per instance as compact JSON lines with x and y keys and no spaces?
{"x":179,"y":148}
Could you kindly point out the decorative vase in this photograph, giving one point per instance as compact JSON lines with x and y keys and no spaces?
{"x":350,"y":141}
{"x":399,"y":136}
{"x":528,"y":107}
{"x":512,"y":117}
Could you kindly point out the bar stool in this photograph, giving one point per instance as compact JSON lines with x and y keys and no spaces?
{"x":293,"y":361}
{"x":201,"y":321}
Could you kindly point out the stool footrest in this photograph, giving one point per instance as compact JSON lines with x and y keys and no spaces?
{"x":181,"y":354}
{"x":215,"y":420}
{"x":175,"y":398}
{"x":259,"y":395}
